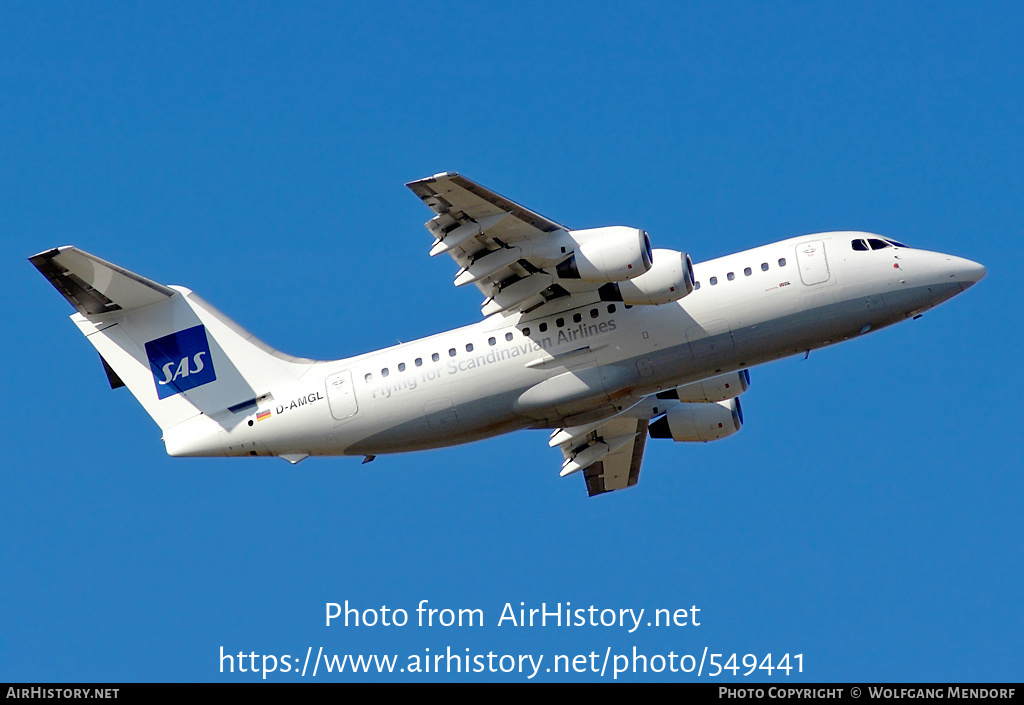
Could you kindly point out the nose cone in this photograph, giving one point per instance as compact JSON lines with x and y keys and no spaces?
{"x":933,"y":277}
{"x":968,"y":273}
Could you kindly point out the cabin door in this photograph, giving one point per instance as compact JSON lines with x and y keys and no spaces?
{"x":810,"y":258}
{"x":341,"y":395}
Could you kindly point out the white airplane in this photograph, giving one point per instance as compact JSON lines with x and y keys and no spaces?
{"x":590,"y":333}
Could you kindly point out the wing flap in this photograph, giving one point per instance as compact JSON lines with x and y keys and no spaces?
{"x":464,"y":232}
{"x":618,"y":467}
{"x":618,"y":470}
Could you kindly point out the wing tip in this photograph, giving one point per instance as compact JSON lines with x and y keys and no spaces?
{"x":432,"y":179}
{"x":49,"y":254}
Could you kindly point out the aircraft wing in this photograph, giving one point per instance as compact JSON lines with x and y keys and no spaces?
{"x":506,"y":250}
{"x":609,"y":454}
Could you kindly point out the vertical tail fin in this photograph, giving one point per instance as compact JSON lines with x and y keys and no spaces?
{"x":179,"y":356}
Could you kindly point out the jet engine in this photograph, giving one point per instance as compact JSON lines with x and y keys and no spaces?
{"x":699,"y":421}
{"x":718,"y":388}
{"x":670,"y":278}
{"x":607,"y":255}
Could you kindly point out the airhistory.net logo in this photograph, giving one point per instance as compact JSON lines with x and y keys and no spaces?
{"x":180,"y":361}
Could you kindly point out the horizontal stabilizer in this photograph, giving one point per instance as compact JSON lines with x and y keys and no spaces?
{"x":94,"y":286}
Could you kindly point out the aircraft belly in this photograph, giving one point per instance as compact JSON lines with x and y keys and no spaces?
{"x":829,"y":323}
{"x":710,"y":339}
{"x":576,"y":390}
{"x":445,"y":425}
{"x":901,"y":302}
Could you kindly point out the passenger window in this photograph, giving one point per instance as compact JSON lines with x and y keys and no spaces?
{"x":419,"y":362}
{"x":435,"y":357}
{"x":730,"y":276}
{"x":508,"y":336}
{"x":469,"y":347}
{"x":764,"y":266}
{"x":782,"y":261}
{"x":560,"y":322}
{"x":713,"y":280}
{"x":593,"y":313}
{"x":747,"y":271}
{"x":401,"y":367}
{"x":491,"y":341}
{"x":696,"y":285}
{"x":543,"y":327}
{"x":526,"y":332}
{"x":859,"y":245}
{"x":451,"y":352}
{"x":368,"y":377}
{"x":611,"y":308}
{"x":576,"y":318}
{"x":384,"y":372}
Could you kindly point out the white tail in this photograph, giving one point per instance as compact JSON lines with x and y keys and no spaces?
{"x":178,"y":355}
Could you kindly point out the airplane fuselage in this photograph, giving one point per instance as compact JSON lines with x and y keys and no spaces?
{"x":577,"y":365}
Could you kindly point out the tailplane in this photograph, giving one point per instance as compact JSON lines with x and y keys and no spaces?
{"x":176,"y":353}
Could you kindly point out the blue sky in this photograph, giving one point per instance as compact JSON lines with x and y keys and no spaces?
{"x":867,"y":516}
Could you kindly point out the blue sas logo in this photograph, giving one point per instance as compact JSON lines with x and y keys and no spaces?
{"x":180,"y":361}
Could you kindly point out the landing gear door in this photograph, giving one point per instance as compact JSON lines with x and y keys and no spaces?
{"x":810,"y":258}
{"x":341,"y":395}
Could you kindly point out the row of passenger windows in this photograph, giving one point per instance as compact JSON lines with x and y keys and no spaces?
{"x":576,"y":318}
{"x":874,"y":243}
{"x":747,"y":271}
{"x":452,"y":352}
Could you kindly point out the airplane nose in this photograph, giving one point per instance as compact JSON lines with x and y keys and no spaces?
{"x":968,"y":273}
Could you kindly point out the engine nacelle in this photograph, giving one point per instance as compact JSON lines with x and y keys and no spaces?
{"x":669,"y":279}
{"x":699,"y":422}
{"x":609,"y":254}
{"x":718,"y":388}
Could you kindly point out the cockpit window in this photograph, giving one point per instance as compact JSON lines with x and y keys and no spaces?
{"x":875,"y":243}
